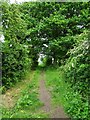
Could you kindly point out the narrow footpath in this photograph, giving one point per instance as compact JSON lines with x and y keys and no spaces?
{"x":10,"y":98}
{"x":45,"y":97}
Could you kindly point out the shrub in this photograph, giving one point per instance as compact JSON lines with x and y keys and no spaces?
{"x":15,"y":62}
{"x":77,"y":67}
{"x":77,"y":75}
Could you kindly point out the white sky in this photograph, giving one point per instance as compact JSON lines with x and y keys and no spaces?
{"x":19,"y":1}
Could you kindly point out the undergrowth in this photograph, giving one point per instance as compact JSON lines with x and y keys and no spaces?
{"x":64,"y":95}
{"x":28,"y":105}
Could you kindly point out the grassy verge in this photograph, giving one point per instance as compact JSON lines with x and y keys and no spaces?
{"x":52,"y":79}
{"x":64,"y":95}
{"x":58,"y":88}
{"x":28,"y":105}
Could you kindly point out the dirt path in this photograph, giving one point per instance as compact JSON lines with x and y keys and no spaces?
{"x":45,"y":97}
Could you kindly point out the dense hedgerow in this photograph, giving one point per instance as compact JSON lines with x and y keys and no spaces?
{"x":77,"y":75}
{"x":77,"y":67}
{"x":15,"y":50}
{"x":15,"y":62}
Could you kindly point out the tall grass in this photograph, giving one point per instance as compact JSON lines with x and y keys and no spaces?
{"x":63,"y":94}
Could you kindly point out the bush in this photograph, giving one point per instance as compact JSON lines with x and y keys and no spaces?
{"x":15,"y":62}
{"x":77,"y":67}
{"x":15,"y":49}
{"x":77,"y":75}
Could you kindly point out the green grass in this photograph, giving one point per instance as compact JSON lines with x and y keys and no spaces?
{"x":28,"y":105}
{"x":58,"y":88}
{"x":52,"y":79}
{"x":64,"y":95}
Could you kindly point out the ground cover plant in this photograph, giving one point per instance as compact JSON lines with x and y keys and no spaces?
{"x":63,"y":93}
{"x":28,"y":104}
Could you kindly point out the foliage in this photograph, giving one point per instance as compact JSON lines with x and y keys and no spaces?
{"x":77,"y":64}
{"x":15,"y":55}
{"x":15,"y":62}
{"x":77,"y":75}
{"x":57,"y":30}
{"x":55,"y":26}
{"x":64,"y":94}
{"x":72,"y":88}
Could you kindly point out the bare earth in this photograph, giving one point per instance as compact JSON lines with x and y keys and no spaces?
{"x":45,"y":97}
